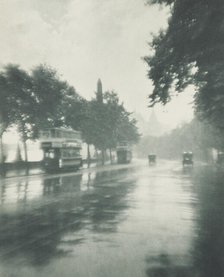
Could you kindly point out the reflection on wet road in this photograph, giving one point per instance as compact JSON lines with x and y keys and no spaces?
{"x":122,"y":221}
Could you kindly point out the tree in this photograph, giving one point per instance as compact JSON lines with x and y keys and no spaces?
{"x":19,"y":89}
{"x":74,"y":109}
{"x":51,"y":94}
{"x":34,"y":101}
{"x":196,"y":136}
{"x":127,"y":129}
{"x":114,"y":111}
{"x":78,"y":116}
{"x":99,"y":125}
{"x":191,"y":51}
{"x":103,"y":121}
{"x":5,"y":108}
{"x":112,"y":123}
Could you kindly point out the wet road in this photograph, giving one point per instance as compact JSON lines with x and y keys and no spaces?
{"x":121,"y":221}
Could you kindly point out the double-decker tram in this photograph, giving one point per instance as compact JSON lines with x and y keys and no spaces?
{"x":124,"y":153}
{"x":61,"y":148}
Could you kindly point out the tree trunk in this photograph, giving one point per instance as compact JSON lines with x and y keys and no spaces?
{"x":25,"y":151}
{"x":18,"y":154}
{"x":88,"y":156}
{"x":97,"y":156}
{"x":2,"y":151}
{"x":111,"y":160}
{"x":26,"y":157}
{"x":2,"y":158}
{"x":24,"y":138}
{"x":103,"y":156}
{"x":2,"y":129}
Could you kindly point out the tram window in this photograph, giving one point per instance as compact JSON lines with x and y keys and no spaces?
{"x":69,"y":153}
{"x":50,"y":154}
{"x":65,"y":153}
{"x":56,"y":133}
{"x":45,"y":134}
{"x":59,"y":134}
{"x":52,"y":133}
{"x":75,"y":152}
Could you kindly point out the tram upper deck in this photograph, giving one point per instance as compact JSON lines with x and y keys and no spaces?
{"x":60,"y":137}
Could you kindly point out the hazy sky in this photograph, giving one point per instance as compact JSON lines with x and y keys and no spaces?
{"x":86,"y":40}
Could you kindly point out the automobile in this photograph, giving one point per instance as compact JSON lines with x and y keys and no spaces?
{"x":187,"y":158}
{"x":152,"y":158}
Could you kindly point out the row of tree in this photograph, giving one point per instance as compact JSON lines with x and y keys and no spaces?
{"x":191,"y":51}
{"x":40,"y":99}
{"x":196,"y":136}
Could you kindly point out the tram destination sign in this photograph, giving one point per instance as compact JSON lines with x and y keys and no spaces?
{"x":59,"y":144}
{"x":71,"y":144}
{"x":53,"y":144}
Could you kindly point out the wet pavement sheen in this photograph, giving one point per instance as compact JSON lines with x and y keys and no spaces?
{"x":122,"y":221}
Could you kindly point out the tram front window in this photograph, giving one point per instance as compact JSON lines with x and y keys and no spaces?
{"x":50,"y":154}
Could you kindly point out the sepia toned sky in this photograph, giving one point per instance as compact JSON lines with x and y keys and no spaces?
{"x":86,"y":40}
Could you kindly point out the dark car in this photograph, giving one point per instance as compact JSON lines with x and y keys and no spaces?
{"x":152,"y":158}
{"x":187,"y":158}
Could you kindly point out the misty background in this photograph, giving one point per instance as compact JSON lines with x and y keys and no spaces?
{"x":87,"y":40}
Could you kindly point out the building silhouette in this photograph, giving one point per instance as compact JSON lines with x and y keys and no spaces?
{"x":152,"y":126}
